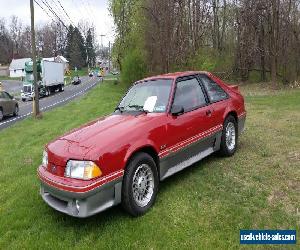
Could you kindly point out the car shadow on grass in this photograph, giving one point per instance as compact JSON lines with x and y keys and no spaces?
{"x":116,"y":213}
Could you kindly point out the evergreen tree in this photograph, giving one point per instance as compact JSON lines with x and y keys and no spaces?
{"x":69,"y":42}
{"x":78,"y":38}
{"x":75,"y":49}
{"x":91,"y":54}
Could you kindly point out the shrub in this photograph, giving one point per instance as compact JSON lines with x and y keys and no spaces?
{"x":133,"y":67}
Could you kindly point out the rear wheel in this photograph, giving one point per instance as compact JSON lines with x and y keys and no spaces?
{"x":140,"y":184}
{"x":229,"y":137}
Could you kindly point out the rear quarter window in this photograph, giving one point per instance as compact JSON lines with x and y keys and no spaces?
{"x":214,"y":91}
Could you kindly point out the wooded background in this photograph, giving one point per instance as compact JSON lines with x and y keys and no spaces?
{"x":77,"y":44}
{"x":241,"y":39}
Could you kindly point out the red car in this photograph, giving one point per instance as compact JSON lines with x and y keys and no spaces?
{"x":162,"y":125}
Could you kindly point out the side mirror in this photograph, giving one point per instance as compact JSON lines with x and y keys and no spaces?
{"x":177,"y":110}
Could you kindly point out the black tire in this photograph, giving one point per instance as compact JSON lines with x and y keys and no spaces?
{"x":16,"y":112}
{"x":228,"y":149}
{"x":47,"y":91}
{"x":23,"y":100}
{"x":1,"y":114}
{"x":128,"y":201}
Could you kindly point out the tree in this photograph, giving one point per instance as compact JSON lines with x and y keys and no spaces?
{"x":15,"y":34}
{"x":91,"y":55}
{"x":239,"y":36}
{"x":69,"y":42}
{"x":6,"y":44}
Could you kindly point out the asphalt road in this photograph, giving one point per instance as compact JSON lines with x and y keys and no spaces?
{"x":59,"y":98}
{"x":12,"y":86}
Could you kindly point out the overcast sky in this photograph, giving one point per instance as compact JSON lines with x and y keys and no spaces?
{"x":94,"y":11}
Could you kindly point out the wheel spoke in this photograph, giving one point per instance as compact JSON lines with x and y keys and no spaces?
{"x":143,"y":185}
{"x":230,"y":136}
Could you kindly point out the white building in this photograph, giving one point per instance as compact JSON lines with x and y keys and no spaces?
{"x":17,"y":67}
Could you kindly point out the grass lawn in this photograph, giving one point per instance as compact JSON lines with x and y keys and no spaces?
{"x":10,"y":78}
{"x":203,"y":207}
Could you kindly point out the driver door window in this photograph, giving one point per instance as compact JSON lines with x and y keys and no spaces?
{"x":189,"y":95}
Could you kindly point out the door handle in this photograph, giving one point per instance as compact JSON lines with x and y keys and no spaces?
{"x":208,"y":112}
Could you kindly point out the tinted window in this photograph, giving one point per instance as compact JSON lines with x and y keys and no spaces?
{"x":214,"y":91}
{"x":189,"y":95}
{"x":6,"y":96}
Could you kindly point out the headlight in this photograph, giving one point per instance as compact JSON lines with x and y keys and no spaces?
{"x":85,"y":170}
{"x":45,"y":159}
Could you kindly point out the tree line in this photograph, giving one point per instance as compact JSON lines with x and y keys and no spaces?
{"x":77,"y":44}
{"x":241,"y":39}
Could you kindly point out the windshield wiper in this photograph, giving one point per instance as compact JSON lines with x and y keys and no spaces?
{"x":119,"y":108}
{"x":138,"y":108}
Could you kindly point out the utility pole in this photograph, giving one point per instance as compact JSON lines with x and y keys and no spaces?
{"x":102,"y":41}
{"x":35,"y":103}
{"x":109,"y":57}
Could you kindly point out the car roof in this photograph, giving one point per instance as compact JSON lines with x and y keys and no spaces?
{"x":174,"y":75}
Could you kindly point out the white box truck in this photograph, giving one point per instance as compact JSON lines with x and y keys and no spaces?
{"x":50,"y":79}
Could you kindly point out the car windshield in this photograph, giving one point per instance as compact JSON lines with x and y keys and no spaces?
{"x":150,"y":96}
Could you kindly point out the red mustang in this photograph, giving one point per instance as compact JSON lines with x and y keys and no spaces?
{"x":162,"y":125}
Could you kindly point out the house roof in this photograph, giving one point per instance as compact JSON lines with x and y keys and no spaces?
{"x":18,"y":63}
{"x":52,"y":59}
{"x":49,"y":59}
{"x":63,"y":59}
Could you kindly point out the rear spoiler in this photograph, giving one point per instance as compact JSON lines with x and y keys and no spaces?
{"x":235,"y":87}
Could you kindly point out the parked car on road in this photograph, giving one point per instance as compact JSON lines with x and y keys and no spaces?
{"x":76,"y":80}
{"x":162,"y":125}
{"x":8,"y":105}
{"x":91,"y":74}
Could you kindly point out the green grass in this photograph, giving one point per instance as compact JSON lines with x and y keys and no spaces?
{"x":10,"y":78}
{"x":203,"y":207}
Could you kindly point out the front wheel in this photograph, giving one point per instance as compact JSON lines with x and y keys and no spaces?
{"x":140,"y":184}
{"x":229,"y":137}
{"x":16,"y":112}
{"x":47,"y":92}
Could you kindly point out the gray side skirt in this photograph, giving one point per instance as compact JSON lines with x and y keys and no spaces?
{"x":177,"y":161}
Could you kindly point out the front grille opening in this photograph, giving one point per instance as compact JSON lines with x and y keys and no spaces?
{"x":27,"y":89}
{"x":56,"y":201}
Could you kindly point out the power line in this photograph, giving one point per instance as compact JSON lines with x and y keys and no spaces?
{"x":44,"y":10}
{"x":66,"y":12}
{"x":53,"y":12}
{"x":58,"y":10}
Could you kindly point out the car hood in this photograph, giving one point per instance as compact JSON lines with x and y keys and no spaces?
{"x":102,"y":134}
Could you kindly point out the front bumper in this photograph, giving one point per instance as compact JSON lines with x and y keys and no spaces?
{"x":83,"y":201}
{"x":27,"y":95}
